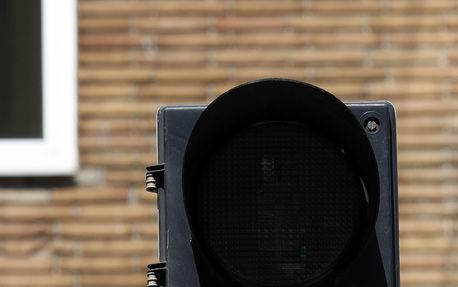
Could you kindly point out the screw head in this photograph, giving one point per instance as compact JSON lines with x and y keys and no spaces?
{"x":372,"y":125}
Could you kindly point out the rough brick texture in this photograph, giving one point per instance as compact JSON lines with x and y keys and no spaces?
{"x":137,"y":55}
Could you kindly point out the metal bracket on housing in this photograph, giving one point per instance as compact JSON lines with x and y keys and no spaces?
{"x":155,"y":177}
{"x":156,"y":274}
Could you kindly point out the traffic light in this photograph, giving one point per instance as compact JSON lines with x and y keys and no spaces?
{"x":276,"y":183}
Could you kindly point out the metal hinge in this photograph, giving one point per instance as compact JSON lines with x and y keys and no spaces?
{"x":156,"y":275}
{"x":155,"y":177}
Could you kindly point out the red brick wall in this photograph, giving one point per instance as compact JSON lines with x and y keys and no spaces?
{"x":136,"y":55}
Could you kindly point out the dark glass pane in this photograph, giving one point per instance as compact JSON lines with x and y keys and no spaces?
{"x":20,"y":69}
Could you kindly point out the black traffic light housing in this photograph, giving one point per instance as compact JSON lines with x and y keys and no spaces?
{"x":277,"y":183}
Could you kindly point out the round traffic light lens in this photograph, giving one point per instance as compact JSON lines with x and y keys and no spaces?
{"x":278,"y":204}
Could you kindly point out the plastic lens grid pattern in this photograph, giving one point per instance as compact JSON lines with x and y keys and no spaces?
{"x":277,"y":204}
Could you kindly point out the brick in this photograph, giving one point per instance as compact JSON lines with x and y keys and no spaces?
{"x":103,"y":90}
{"x":431,"y":192}
{"x":267,"y":7}
{"x":419,"y":261}
{"x":430,"y":73}
{"x":148,"y":230}
{"x":188,"y":7}
{"x":115,"y":74}
{"x":114,"y":143}
{"x":426,"y":124}
{"x":118,"y":58}
{"x":128,"y":176}
{"x":118,"y":159}
{"x":117,"y":109}
{"x":168,"y":92}
{"x":34,"y":213}
{"x":431,"y":6}
{"x":25,"y":265}
{"x":113,"y":8}
{"x":344,"y":39}
{"x":427,"y":245}
{"x":454,"y":89}
{"x":89,"y":177}
{"x":135,"y":213}
{"x":22,"y":230}
{"x":403,"y":22}
{"x":13,"y":248}
{"x":177,"y":101}
{"x":145,"y":197}
{"x":104,"y":24}
{"x":171,"y":24}
{"x":329,"y":23}
{"x":427,"y":158}
{"x":96,"y":265}
{"x":179,"y":59}
{"x":45,"y":280}
{"x":24,"y":196}
{"x":346,"y":74}
{"x":295,"y":57}
{"x":241,"y":24}
{"x":191,"y":75}
{"x":451,"y":22}
{"x":117,"y":280}
{"x":432,"y":277}
{"x":422,"y":227}
{"x":319,"y":39}
{"x":410,"y":39}
{"x":248,"y":57}
{"x":94,"y":230}
{"x":406,"y":89}
{"x":117,"y":126}
{"x":425,"y":107}
{"x":249,"y":74}
{"x":145,"y":261}
{"x":429,"y":277}
{"x":421,"y":57}
{"x":118,"y":40}
{"x":350,"y":7}
{"x":119,"y":248}
{"x":453,"y":56}
{"x":242,"y":40}
{"x":127,"y":249}
{"x":191,"y":41}
{"x":89,"y":194}
{"x":65,"y":248}
{"x":109,"y":57}
{"x":434,"y":210}
{"x":427,"y":141}
{"x":429,"y":175}
{"x":323,"y":57}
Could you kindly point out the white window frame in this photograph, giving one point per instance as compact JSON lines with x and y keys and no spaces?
{"x":56,"y":154}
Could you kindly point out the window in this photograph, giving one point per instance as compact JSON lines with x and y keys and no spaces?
{"x":38,"y":105}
